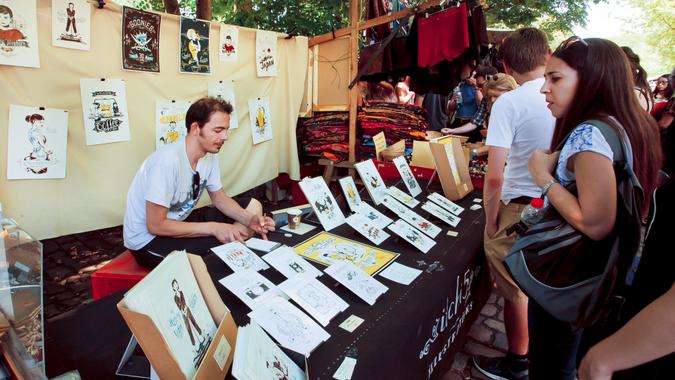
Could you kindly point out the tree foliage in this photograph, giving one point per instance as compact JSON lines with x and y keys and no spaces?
{"x":657,"y":29}
{"x":552,"y":16}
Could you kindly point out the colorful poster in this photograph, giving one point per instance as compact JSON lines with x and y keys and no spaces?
{"x":194,"y":46}
{"x":71,"y":24}
{"x":266,"y":53}
{"x":261,"y":122}
{"x":170,"y":121}
{"x":140,"y":40}
{"x":18,"y":33}
{"x":328,"y":249}
{"x":225,"y":89}
{"x":229,"y":43}
{"x":36,"y":143}
{"x":104,"y":109}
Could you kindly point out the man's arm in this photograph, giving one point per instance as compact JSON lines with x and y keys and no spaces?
{"x":229,"y":207}
{"x":648,"y":336}
{"x":492,"y":187}
{"x":159,"y":225}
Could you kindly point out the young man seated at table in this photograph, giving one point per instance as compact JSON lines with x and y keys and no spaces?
{"x":159,"y":217}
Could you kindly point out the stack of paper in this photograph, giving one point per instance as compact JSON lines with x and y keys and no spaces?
{"x":313,"y":296}
{"x":289,"y":263}
{"x":358,"y":281}
{"x":238,"y":257}
{"x":257,"y":357}
{"x":170,"y":296}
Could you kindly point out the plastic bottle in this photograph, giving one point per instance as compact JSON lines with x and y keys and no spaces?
{"x":458,"y":95}
{"x":534,"y":212}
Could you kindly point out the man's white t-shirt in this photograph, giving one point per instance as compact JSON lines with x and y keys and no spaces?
{"x":520,"y":122}
{"x":165,"y":178}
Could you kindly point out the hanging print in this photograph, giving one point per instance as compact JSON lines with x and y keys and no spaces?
{"x":261,"y":124}
{"x":225,"y":89}
{"x":229,"y":43}
{"x":71,"y":24}
{"x":170,"y":123}
{"x":18,"y":33}
{"x":140,"y":40}
{"x":36,"y":143}
{"x":194,"y":46}
{"x":105,"y":112}
{"x":266,"y":53}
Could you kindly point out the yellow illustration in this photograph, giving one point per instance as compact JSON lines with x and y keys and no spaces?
{"x":327,"y":249}
{"x":350,"y":192}
{"x":260,"y":121}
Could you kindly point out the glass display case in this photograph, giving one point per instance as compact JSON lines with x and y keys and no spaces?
{"x":21,"y":300}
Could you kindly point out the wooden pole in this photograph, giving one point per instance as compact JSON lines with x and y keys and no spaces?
{"x":204,"y":8}
{"x":171,"y":6}
{"x":353,"y":70}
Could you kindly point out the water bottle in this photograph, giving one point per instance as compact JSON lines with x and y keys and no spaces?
{"x":534,"y":212}
{"x":458,"y":95}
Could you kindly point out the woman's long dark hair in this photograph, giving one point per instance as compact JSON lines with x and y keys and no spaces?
{"x":605,"y":88}
{"x":639,"y":74}
{"x":668,"y":91}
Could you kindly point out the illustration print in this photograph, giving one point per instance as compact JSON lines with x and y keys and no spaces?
{"x":104,"y":106}
{"x":71,"y":20}
{"x":18,"y":33}
{"x":259,"y":116}
{"x":266,"y":53}
{"x":194,"y":46}
{"x":140,"y":40}
{"x":229,"y":42}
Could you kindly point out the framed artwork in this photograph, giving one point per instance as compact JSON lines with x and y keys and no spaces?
{"x":71,"y":24}
{"x":36,"y":143}
{"x":18,"y":33}
{"x":225,"y":89}
{"x":104,"y":109}
{"x":229,"y":43}
{"x":140,"y":40}
{"x":266,"y":53}
{"x":327,"y":249}
{"x":261,"y":121}
{"x":322,"y":201}
{"x":170,"y":121}
{"x":407,"y":175}
{"x":193,"y":57}
{"x":351,"y":193}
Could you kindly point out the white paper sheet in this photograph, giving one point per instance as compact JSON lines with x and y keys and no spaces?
{"x":229,"y":43}
{"x":441,"y":213}
{"x":266,"y":53}
{"x":238,"y":257}
{"x":367,"y":228}
{"x":407,"y":175}
{"x":322,"y":201}
{"x":314,"y":297}
{"x":412,"y":235}
{"x":170,"y":121}
{"x":290,"y":264}
{"x":301,"y":229}
{"x":378,"y":218}
{"x":402,"y":197}
{"x":358,"y":281}
{"x":261,"y":120}
{"x":71,"y":24}
{"x":346,"y":369}
{"x":400,"y":273}
{"x":104,"y":110}
{"x":19,"y":38}
{"x":446,"y":203}
{"x":262,"y":245}
{"x":225,"y":89}
{"x":411,"y":217}
{"x":372,"y":180}
{"x":351,"y":192}
{"x":250,"y":287}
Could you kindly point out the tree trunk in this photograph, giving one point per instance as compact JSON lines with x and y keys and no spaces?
{"x":204,"y":9}
{"x":171,"y":6}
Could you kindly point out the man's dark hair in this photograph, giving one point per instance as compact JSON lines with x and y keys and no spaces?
{"x":201,"y":110}
{"x":524,"y":50}
{"x":484,"y":71}
{"x":6,"y":9}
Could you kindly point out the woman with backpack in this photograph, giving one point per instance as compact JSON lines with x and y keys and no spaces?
{"x":586,"y":79}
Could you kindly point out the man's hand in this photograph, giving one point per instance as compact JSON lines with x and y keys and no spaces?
{"x":261,"y":225}
{"x":226,"y":233}
{"x":491,"y":228}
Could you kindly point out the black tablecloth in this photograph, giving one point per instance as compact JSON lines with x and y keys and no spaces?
{"x":412,"y":332}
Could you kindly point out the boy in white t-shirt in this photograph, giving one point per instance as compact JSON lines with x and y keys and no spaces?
{"x":169,"y":184}
{"x":519,"y":123}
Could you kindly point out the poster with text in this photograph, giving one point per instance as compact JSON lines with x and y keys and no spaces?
{"x":36,"y":143}
{"x":104,"y":109}
{"x":194,"y":46}
{"x":225,"y":89}
{"x":140,"y":40}
{"x":71,"y":24}
{"x":18,"y":33}
{"x":170,"y":123}
{"x":266,"y":53}
{"x":229,"y":43}
{"x":261,"y":123}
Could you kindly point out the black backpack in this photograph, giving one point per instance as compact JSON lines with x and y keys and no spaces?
{"x":568,"y":274}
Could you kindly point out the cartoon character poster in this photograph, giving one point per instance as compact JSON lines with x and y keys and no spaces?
{"x":104,"y":109}
{"x":170,"y":121}
{"x":261,"y":122}
{"x":194,"y":46}
{"x":36,"y":143}
{"x":229,"y":43}
{"x":71,"y":24}
{"x":140,"y":40}
{"x":225,"y":89}
{"x":18,"y":33}
{"x":266,"y":53}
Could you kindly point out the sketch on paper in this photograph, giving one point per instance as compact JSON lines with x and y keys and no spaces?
{"x":376,"y":217}
{"x":229,"y":43}
{"x":238,"y":257}
{"x":71,"y":24}
{"x":328,"y":249}
{"x":250,"y":287}
{"x":261,"y":121}
{"x":445,"y":203}
{"x":266,"y":53}
{"x":194,"y":55}
{"x":367,"y":228}
{"x":407,"y":175}
{"x":18,"y":33}
{"x":441,"y":213}
{"x":36,"y":143}
{"x":372,"y":180}
{"x":288,"y":263}
{"x":351,"y":193}
{"x":170,"y":121}
{"x":412,"y":235}
{"x":104,"y":108}
{"x":225,"y":89}
{"x":314,"y":297}
{"x":358,"y":281}
{"x":411,"y":217}
{"x":321,"y":199}
{"x":402,"y":196}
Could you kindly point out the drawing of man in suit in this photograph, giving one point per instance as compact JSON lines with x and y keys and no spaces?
{"x":185,"y":311}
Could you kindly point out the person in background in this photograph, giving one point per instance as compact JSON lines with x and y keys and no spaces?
{"x":436,"y":106}
{"x":466,"y":98}
{"x":519,"y":123}
{"x":662,"y":93}
{"x":642,"y":89}
{"x":586,"y":79}
{"x":480,"y":117}
{"x":381,"y":91}
{"x":403,"y":93}
{"x":667,"y":127}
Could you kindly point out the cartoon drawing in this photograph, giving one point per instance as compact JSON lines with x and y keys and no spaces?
{"x":296,"y":267}
{"x":266,"y":60}
{"x":260,"y":120}
{"x":186,"y":313}
{"x":316,"y":299}
{"x":256,"y":290}
{"x":141,"y":42}
{"x":9,"y":32}
{"x":228,"y":48}
{"x":171,"y":135}
{"x":291,"y":326}
{"x":374,"y":182}
{"x":194,"y":46}
{"x":278,"y":370}
{"x":36,"y":159}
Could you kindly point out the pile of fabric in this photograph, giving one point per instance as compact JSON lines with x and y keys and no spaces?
{"x":398,"y":121}
{"x":325,"y":135}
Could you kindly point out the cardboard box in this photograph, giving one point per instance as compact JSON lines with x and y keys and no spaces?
{"x":452,"y":167}
{"x":155,"y":347}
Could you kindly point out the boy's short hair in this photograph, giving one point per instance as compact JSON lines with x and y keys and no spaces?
{"x":201,"y":110}
{"x":524,"y":50}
